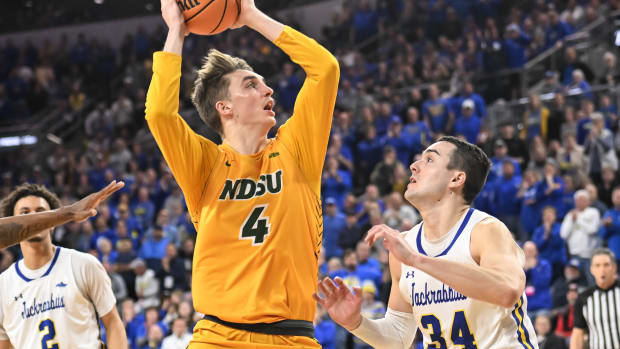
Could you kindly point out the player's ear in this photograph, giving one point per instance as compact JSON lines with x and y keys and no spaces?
{"x":458,"y":179}
{"x":224,"y":108}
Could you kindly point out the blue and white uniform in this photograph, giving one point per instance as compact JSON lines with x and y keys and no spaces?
{"x":448,"y":319}
{"x":55,"y":306}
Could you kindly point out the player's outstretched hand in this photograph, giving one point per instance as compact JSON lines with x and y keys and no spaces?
{"x":173,"y":17}
{"x":247,"y":9}
{"x":86,"y":208}
{"x":394,"y":242}
{"x":341,"y":304}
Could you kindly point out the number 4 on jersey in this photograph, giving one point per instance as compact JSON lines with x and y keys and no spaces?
{"x":256,"y":227}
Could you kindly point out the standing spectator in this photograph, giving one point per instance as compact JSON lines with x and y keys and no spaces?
{"x":566,"y":314}
{"x":572,"y":275}
{"x":544,"y":334}
{"x":579,"y":229}
{"x":599,"y":146}
{"x":571,"y":157}
{"x":550,"y":190}
{"x":395,"y":139}
{"x":335,"y":182}
{"x":538,"y":279}
{"x":468,"y":124}
{"x":535,"y":119}
{"x":507,"y":204}
{"x":579,"y":85}
{"x":382,"y":175}
{"x":154,"y":248}
{"x":334,"y":224}
{"x":147,"y":286}
{"x":368,"y":155}
{"x":549,"y":242}
{"x":571,"y":63}
{"x":144,"y":209}
{"x":557,"y":30}
{"x":288,"y":87}
{"x":172,"y":274}
{"x":480,"y":107}
{"x":179,"y":338}
{"x":610,"y":73}
{"x":436,"y":112}
{"x":500,"y":151}
{"x":517,"y":149}
{"x":610,"y":225}
{"x":594,"y":200}
{"x":530,"y":208}
{"x":416,"y":133}
{"x":606,"y":187}
{"x":597,"y":310}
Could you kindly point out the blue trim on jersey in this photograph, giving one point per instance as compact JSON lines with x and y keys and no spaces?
{"x":458,"y":233}
{"x":21,"y":275}
{"x":518,"y":316}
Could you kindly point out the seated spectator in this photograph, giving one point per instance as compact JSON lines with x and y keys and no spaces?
{"x":571,"y":157}
{"x":571,"y":63}
{"x":324,"y":329}
{"x":579,"y":85}
{"x":506,"y":202}
{"x":594,"y":200}
{"x":147,"y":285}
{"x":144,"y":209}
{"x":544,"y":334}
{"x":382,"y":175}
{"x":517,"y":149}
{"x":179,"y":338}
{"x":172,"y":274}
{"x":566,"y":314}
{"x":610,"y":74}
{"x":557,"y":29}
{"x":550,"y":244}
{"x":572,"y":274}
{"x":351,"y":234}
{"x":550,"y":190}
{"x":538,"y":280}
{"x":436,"y":112}
{"x":335,"y":182}
{"x":397,"y":211}
{"x":396,"y":139}
{"x":368,"y":267}
{"x":415,"y":133}
{"x":599,"y":147}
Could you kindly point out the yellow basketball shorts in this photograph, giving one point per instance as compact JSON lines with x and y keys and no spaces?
{"x":211,"y":335}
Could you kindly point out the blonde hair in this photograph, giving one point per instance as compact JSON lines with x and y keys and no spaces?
{"x":212,"y":85}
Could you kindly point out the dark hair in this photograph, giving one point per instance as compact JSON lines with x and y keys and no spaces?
{"x":212,"y":85}
{"x":606,"y":252}
{"x":7,"y":205}
{"x":347,"y":252}
{"x":470,"y":159}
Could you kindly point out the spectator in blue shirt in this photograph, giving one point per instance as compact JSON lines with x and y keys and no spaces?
{"x":530,"y":208}
{"x":480,"y":107}
{"x":610,"y":225}
{"x":550,"y":190}
{"x":368,"y":267}
{"x":288,"y":87}
{"x":507,"y":205}
{"x":579,"y":85}
{"x":395,"y":139}
{"x":324,"y":329}
{"x":468,"y":124}
{"x":515,"y":44}
{"x":334,"y":222}
{"x":154,"y":248}
{"x":550,"y":244}
{"x":537,"y":279}
{"x":144,"y":209}
{"x":436,"y":111}
{"x":368,"y":153}
{"x":416,"y":133}
{"x":384,"y":118}
{"x":557,"y":29}
{"x":335,"y":183}
{"x":500,"y":151}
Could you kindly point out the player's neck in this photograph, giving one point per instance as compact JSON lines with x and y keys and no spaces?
{"x":38,"y":254}
{"x":440,"y":217}
{"x":246,"y":142}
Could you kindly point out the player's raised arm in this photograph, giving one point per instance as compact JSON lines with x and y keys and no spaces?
{"x":15,"y":229}
{"x":306,"y":134}
{"x":498,"y":279}
{"x":396,"y":330}
{"x":189,"y":156}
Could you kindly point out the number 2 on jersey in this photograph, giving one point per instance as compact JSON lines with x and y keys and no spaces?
{"x":47,"y":326}
{"x":460,"y":333}
{"x":256,"y":227}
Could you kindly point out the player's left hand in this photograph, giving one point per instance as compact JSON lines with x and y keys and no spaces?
{"x":85,"y":208}
{"x":394,"y":242}
{"x":247,"y":9}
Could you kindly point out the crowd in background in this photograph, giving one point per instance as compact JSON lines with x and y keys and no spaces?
{"x":552,"y":182}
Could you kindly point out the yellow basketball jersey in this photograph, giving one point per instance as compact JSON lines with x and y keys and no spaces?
{"x":258,"y":217}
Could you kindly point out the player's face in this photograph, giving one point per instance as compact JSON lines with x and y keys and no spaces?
{"x":430,"y":177}
{"x":251,"y":99}
{"x":604,"y":270}
{"x":33,"y":204}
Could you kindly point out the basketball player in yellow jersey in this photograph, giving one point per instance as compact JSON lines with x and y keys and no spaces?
{"x":255,"y":201}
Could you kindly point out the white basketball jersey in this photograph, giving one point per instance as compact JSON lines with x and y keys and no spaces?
{"x":50,"y":311}
{"x":448,"y":319}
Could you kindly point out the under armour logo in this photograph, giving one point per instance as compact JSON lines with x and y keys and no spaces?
{"x":410,"y":274}
{"x":21,"y":296}
{"x":61,"y":284}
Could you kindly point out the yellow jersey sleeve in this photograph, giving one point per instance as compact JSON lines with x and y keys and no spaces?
{"x":189,"y":155}
{"x":306,"y":133}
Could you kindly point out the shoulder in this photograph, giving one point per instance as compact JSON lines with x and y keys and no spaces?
{"x":80,"y":257}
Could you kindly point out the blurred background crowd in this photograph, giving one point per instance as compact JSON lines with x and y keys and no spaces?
{"x":533,"y":83}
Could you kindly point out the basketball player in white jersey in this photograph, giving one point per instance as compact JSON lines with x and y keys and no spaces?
{"x":458,"y":276}
{"x":54,"y":297}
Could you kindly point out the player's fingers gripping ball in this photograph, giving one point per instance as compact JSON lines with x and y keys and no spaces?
{"x":209,"y":17}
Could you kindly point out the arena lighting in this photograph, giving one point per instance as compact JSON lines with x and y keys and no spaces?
{"x":15,"y":141}
{"x":99,"y":2}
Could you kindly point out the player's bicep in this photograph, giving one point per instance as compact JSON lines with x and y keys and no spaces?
{"x":5,"y":344}
{"x":498,"y":251}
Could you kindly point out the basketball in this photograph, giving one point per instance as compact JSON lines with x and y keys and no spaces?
{"x":209,"y":17}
